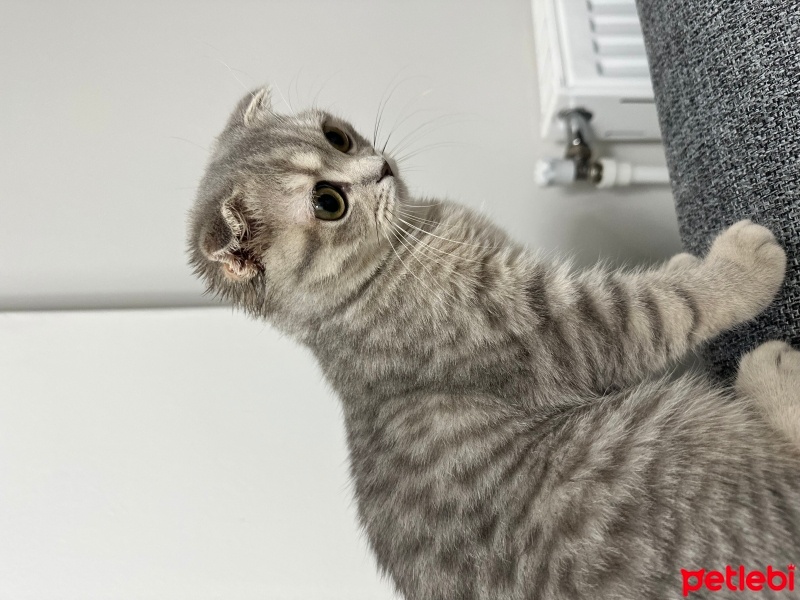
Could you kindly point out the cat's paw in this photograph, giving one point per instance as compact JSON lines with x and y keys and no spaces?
{"x":770,"y":375}
{"x":771,"y":364}
{"x":745,"y":268}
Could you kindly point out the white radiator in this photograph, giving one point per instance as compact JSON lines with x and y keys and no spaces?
{"x":590,"y":54}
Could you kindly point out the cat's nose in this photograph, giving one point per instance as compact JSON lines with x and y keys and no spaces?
{"x":386,"y":171}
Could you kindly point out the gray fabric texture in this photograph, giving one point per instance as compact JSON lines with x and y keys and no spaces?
{"x":726,"y":75}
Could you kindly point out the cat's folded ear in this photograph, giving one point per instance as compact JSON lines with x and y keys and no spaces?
{"x":253,"y":108}
{"x":225,"y":239}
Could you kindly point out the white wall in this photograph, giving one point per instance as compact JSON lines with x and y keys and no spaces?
{"x":192,"y":453}
{"x":172,"y":455}
{"x":107,"y":108}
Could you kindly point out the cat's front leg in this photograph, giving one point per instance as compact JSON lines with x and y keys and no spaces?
{"x":613,"y":328}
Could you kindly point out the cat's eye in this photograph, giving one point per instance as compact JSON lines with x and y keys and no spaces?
{"x":329,"y":203}
{"x":337,"y":138}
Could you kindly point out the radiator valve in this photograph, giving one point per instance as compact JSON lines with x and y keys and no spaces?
{"x":578,"y":164}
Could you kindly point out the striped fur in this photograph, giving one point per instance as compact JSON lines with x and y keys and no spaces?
{"x":511,"y":433}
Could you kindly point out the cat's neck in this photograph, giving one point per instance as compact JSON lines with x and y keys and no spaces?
{"x":432,"y":311}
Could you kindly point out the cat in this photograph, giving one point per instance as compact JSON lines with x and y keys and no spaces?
{"x":512,"y":434}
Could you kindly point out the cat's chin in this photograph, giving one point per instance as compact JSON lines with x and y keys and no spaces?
{"x":388,"y":183}
{"x":394,"y":187}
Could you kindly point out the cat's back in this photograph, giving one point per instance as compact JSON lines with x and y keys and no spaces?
{"x":475,"y":497}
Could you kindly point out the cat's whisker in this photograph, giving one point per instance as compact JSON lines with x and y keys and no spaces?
{"x":427,"y":149}
{"x":398,"y":121}
{"x":175,"y":137}
{"x":423,"y":222}
{"x":384,"y":103}
{"x":425,"y":268}
{"x":250,"y":91}
{"x":381,"y":108}
{"x":232,"y":71}
{"x":422,"y":244}
{"x":447,"y":239}
{"x":413,"y":217}
{"x":405,"y":266}
{"x":378,"y":113}
{"x":426,"y":248}
{"x":409,"y":139}
{"x":288,"y":105}
{"x":419,"y":245}
{"x":427,"y":222}
{"x":322,"y":87}
{"x":296,"y":82}
{"x":428,"y":251}
{"x":439,"y":253}
{"x":422,"y":205}
{"x":407,"y":143}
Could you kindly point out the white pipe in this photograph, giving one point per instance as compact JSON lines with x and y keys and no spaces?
{"x":618,"y":174}
{"x":554,"y":171}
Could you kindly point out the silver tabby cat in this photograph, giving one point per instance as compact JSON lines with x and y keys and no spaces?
{"x":510,"y":434}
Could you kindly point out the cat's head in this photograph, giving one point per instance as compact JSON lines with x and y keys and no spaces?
{"x":291,"y":207}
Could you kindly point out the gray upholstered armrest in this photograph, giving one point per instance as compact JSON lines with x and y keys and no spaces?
{"x":726,"y":75}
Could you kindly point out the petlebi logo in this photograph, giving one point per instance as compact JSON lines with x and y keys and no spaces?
{"x":738,"y":579}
